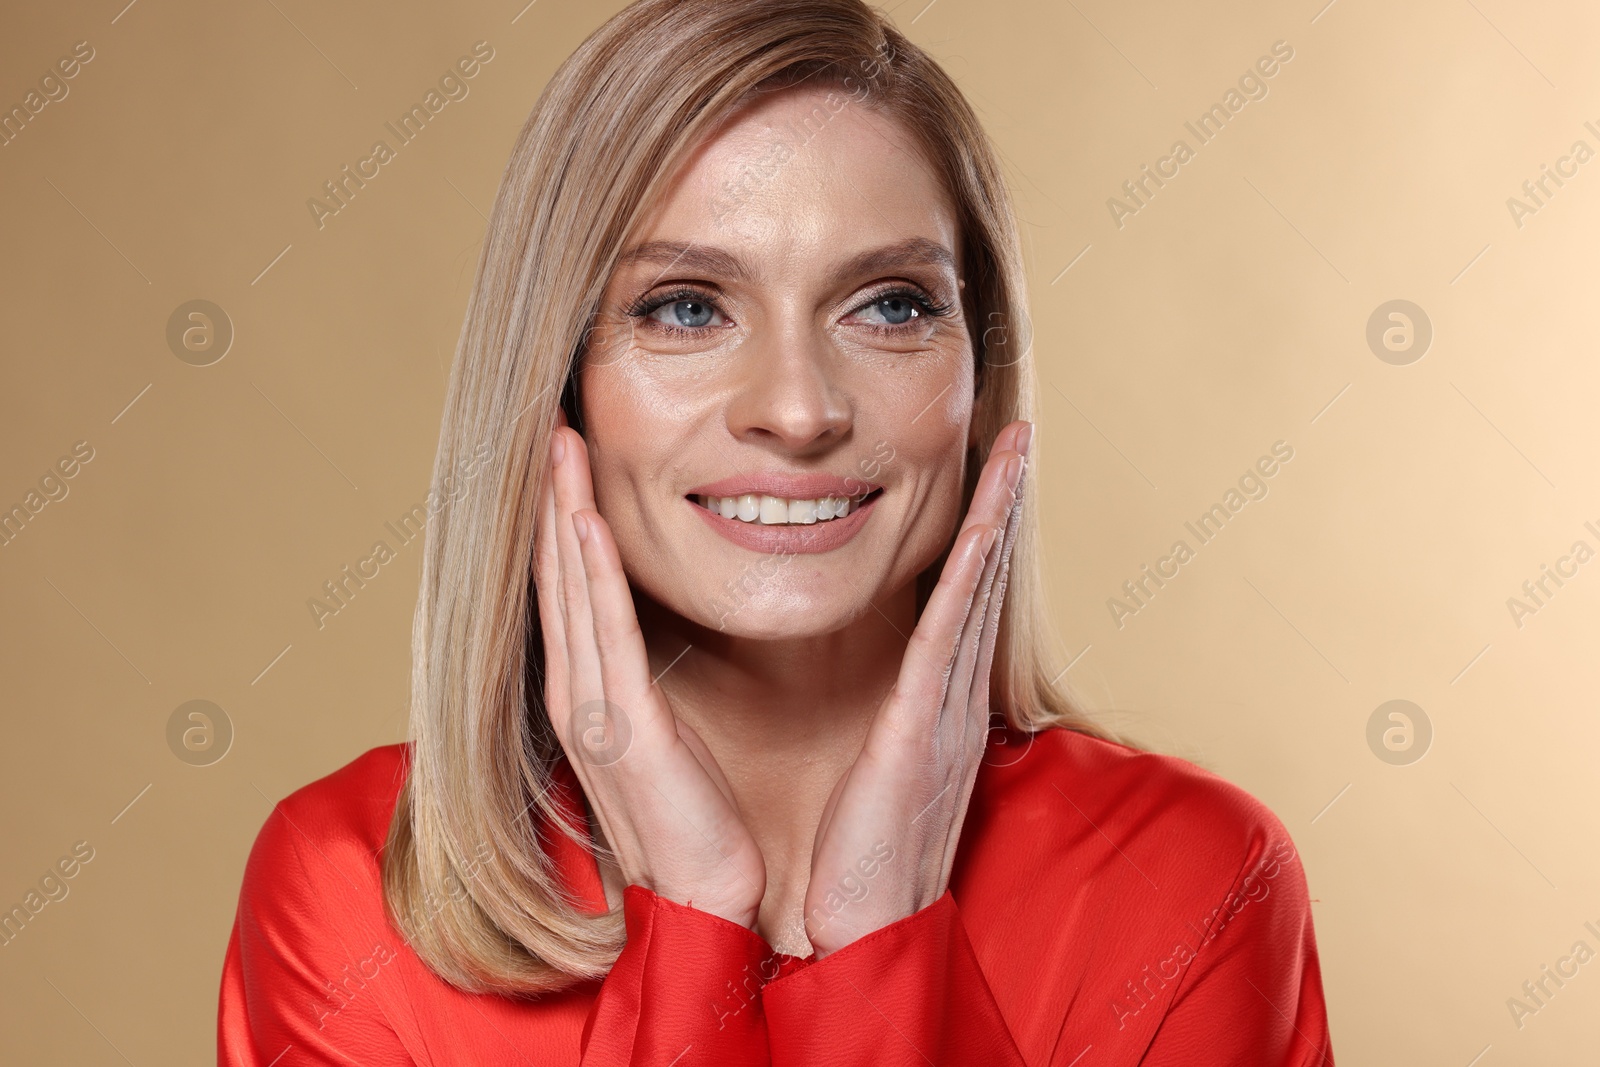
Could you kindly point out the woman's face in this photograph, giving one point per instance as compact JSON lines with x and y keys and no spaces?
{"x":778,"y":390}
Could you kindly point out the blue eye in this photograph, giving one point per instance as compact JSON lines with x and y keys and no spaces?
{"x":688,"y":313}
{"x":896,"y":310}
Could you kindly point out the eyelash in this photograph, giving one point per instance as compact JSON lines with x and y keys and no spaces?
{"x":647,"y":305}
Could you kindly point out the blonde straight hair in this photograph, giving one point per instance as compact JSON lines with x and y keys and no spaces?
{"x":466,"y":877}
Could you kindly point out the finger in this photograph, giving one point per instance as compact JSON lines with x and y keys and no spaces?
{"x":971,"y":690}
{"x":547,"y":589}
{"x":925,"y":672}
{"x":995,"y":596}
{"x":942,"y":655}
{"x":677,"y":758}
{"x":991,"y":600}
{"x":993,"y":495}
{"x":573,"y":492}
{"x":623,"y":661}
{"x":957,"y":711}
{"x":1015,"y":468}
{"x":942,"y":635}
{"x":993,"y":502}
{"x":968,"y":663}
{"x":988,"y":500}
{"x":994,"y":604}
{"x":1012,"y":437}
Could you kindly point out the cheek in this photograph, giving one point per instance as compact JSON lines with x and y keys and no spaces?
{"x":643,"y":439}
{"x":623,"y":435}
{"x":926,"y":462}
{"x":931,"y":442}
{"x":635,"y":407}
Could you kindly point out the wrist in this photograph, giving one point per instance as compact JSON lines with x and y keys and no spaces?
{"x":729,"y":911}
{"x":831,"y":929}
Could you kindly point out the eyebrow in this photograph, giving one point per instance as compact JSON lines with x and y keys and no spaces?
{"x":713,"y":260}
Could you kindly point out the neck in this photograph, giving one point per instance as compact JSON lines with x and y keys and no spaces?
{"x":778,"y":705}
{"x":784,"y":719}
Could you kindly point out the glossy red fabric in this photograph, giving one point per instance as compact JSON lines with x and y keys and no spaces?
{"x":1107,"y":907}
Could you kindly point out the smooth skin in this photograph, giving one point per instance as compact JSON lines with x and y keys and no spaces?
{"x":763,"y":762}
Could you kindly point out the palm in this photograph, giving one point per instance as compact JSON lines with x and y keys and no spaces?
{"x":663,"y":805}
{"x":887,"y":839}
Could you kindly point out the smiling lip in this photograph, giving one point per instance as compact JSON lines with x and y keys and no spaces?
{"x":800,"y":539}
{"x":787,"y":486}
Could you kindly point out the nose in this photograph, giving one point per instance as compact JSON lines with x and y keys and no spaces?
{"x":790,"y":394}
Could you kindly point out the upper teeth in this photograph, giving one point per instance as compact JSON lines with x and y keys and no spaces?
{"x":775,"y":510}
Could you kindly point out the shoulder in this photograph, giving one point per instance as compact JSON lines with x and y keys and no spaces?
{"x":351,"y":806}
{"x":1171,"y":820}
{"x":323,"y":840}
{"x":311,"y":933}
{"x":355,"y":793}
{"x":1113,"y":869}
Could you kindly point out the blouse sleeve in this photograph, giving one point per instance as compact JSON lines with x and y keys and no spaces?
{"x":910,"y":993}
{"x":1253,"y":988}
{"x":685,"y":990}
{"x":300,"y":964}
{"x":690,"y":987}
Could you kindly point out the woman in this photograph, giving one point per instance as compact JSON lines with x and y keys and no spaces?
{"x":732,"y":741}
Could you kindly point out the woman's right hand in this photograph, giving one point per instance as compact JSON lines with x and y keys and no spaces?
{"x":661,"y":801}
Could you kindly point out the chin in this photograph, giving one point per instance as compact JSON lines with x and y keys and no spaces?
{"x":771,"y":614}
{"x":757,"y":626}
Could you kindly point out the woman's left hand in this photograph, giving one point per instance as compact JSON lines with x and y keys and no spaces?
{"x":888,"y":834}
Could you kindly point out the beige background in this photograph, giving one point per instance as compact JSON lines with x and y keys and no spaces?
{"x":1229,"y":313}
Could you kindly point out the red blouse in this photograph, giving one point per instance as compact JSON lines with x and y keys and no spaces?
{"x":1106,"y":907}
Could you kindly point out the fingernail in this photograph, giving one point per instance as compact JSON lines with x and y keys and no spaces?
{"x":558,"y":449}
{"x":1014,"y":472}
{"x":1025,"y":438}
{"x":581,"y":525}
{"x":988,"y":541}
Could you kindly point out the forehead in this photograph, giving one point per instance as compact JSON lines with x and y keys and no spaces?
{"x":805,"y":175}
